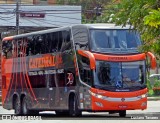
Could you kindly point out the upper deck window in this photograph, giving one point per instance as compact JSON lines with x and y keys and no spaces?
{"x":80,"y":36}
{"x":7,"y":48}
{"x":101,"y":40}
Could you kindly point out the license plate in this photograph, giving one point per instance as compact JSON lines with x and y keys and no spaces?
{"x":122,"y":106}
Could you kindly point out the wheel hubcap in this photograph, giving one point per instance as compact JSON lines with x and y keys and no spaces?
{"x":17,"y":106}
{"x":24,"y":108}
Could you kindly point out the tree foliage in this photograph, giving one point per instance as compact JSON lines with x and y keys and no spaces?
{"x":89,"y":11}
{"x":143,"y":15}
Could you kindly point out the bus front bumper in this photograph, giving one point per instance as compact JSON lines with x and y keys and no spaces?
{"x":106,"y":100}
{"x":119,"y":104}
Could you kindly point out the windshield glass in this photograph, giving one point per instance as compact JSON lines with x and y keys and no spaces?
{"x":120,"y":75}
{"x":114,"y":40}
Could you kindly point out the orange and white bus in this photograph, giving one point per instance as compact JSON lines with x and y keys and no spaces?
{"x":73,"y":69}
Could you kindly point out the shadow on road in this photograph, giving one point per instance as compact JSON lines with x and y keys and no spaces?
{"x":84,"y":117}
{"x":95,"y":116}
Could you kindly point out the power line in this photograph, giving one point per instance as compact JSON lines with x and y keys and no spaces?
{"x":6,"y":9}
{"x":49,"y":23}
{"x":17,"y":17}
{"x":40,"y":11}
{"x":17,"y":12}
{"x":41,"y":21}
{"x":8,"y":17}
{"x":54,"y":10}
{"x":32,"y":22}
{"x":59,"y":21}
{"x":63,"y":17}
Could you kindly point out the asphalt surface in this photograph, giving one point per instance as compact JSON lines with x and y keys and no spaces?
{"x":151,"y":113}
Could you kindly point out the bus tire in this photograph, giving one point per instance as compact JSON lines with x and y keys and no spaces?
{"x":25,"y":109}
{"x":17,"y":106}
{"x":73,"y":107}
{"x":122,"y":113}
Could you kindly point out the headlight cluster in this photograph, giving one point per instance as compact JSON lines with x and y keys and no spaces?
{"x":118,"y":98}
{"x":143,"y":96}
{"x":98,"y":95}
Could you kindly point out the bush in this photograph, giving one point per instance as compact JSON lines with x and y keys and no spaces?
{"x":149,"y":84}
{"x":150,"y":91}
{"x":156,"y":87}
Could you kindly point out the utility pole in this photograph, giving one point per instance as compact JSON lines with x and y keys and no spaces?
{"x":98,"y":11}
{"x":17,"y":17}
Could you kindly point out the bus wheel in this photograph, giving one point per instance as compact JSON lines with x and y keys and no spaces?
{"x":122,"y":113}
{"x":17,"y":106}
{"x":73,"y":107}
{"x":25,"y":109}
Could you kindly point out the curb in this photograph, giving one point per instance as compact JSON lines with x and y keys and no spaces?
{"x":153,"y":98}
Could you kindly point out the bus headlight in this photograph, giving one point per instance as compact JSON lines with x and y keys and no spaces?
{"x":144,"y":95}
{"x":98,"y":95}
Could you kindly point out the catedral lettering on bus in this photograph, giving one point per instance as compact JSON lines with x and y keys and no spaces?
{"x":41,"y":62}
{"x":72,"y":69}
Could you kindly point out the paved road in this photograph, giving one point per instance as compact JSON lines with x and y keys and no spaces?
{"x":153,"y":111}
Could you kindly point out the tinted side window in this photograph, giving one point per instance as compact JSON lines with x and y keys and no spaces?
{"x":45,"y":43}
{"x":32,"y":47}
{"x":7,"y":48}
{"x":67,"y":44}
{"x":85,"y":71}
{"x":60,"y":40}
{"x":36,"y":45}
{"x":51,"y":42}
{"x":80,"y":36}
{"x":19,"y":47}
{"x":29,"y":49}
{"x":39,"y":45}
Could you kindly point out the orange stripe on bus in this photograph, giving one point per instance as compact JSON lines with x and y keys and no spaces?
{"x":8,"y":38}
{"x":90,"y":56}
{"x":153,"y":60}
{"x":113,"y":58}
{"x":120,"y":58}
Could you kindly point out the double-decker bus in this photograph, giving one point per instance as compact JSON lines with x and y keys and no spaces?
{"x":94,"y":68}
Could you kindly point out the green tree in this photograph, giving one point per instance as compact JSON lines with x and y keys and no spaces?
{"x":89,"y":11}
{"x":143,"y":15}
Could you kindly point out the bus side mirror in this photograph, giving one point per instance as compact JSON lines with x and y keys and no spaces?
{"x":90,"y":56}
{"x":152,"y":59}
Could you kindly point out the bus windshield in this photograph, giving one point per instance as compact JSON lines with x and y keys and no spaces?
{"x":120,"y":75}
{"x":110,"y":40}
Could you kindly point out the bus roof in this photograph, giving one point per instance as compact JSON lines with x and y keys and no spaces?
{"x":34,"y":33}
{"x":89,"y":26}
{"x":108,"y":26}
